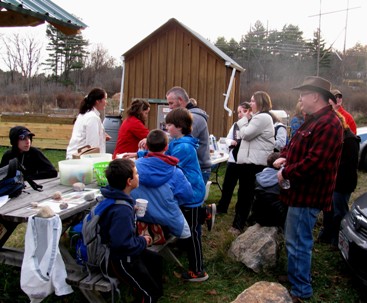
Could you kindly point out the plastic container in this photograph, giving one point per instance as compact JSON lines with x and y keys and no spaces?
{"x":99,"y":170}
{"x":96,"y":157}
{"x":76,"y":170}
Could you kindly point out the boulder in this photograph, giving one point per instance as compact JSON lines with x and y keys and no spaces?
{"x":264,"y":292}
{"x":258,"y":247}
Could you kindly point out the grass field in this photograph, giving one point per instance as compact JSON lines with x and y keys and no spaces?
{"x":332,"y":281}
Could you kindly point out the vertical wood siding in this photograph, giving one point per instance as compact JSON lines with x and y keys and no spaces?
{"x":173,"y":56}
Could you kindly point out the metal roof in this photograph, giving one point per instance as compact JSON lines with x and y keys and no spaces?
{"x":36,"y":12}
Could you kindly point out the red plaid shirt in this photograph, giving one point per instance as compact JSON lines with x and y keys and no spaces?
{"x":313,"y":157}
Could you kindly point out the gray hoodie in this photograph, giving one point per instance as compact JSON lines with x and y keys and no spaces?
{"x":200,"y":131}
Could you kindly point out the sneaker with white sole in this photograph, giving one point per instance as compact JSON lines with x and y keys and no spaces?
{"x":195,"y":277}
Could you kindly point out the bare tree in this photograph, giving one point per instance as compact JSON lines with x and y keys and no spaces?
{"x":100,"y":59}
{"x":22,"y":55}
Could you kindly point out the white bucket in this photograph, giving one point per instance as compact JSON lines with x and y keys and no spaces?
{"x":76,"y":170}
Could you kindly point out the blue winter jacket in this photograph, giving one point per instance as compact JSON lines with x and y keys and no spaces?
{"x":184,"y":149}
{"x":165,"y":187}
{"x":118,"y":226}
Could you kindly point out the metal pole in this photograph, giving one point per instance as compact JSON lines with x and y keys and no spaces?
{"x":318,"y":44}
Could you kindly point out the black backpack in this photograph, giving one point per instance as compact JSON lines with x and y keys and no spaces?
{"x":12,"y":179}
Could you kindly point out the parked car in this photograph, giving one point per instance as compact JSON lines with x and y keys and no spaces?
{"x":362,"y":133}
{"x":353,"y":238}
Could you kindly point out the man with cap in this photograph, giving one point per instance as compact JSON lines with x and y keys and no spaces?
{"x":337,"y":105}
{"x":36,"y":165}
{"x":310,"y":162}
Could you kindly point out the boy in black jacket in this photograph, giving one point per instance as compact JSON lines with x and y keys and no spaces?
{"x":129,"y":259}
{"x":36,"y":165}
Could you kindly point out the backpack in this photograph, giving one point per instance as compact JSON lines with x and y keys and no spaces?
{"x":91,"y":251}
{"x":11,"y":179}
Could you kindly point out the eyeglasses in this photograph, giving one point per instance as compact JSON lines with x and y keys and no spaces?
{"x":338,"y":96}
{"x":302,"y":94}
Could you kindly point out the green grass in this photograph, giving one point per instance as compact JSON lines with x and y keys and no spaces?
{"x":332,"y":281}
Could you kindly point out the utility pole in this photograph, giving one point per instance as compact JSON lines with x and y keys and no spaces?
{"x":319,"y":34}
{"x":318,"y":44}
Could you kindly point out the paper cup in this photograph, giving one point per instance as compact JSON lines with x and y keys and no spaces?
{"x":142,"y":205}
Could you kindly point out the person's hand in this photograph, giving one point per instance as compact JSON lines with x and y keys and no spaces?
{"x":279,"y":162}
{"x":280,"y":176}
{"x":108,"y":137}
{"x":248,"y":115}
{"x":233,"y":143}
{"x":129,"y":155}
{"x":143,"y":144}
{"x":149,"y":240}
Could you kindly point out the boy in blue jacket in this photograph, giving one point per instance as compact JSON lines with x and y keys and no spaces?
{"x":129,"y":260}
{"x":164,"y":185}
{"x":183,"y":146}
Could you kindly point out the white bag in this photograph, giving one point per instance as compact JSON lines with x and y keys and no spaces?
{"x":43,"y":270}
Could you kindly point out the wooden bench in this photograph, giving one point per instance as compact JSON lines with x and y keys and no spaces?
{"x":77,"y":276}
{"x":91,"y":287}
{"x":11,"y":256}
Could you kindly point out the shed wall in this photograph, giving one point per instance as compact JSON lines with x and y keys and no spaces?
{"x":174,"y":57}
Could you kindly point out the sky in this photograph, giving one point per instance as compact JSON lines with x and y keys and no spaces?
{"x":118,"y":25}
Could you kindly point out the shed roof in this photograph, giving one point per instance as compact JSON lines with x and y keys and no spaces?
{"x":15,"y":13}
{"x":210,"y":45}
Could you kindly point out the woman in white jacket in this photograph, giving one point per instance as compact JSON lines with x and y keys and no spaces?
{"x":88,"y":128}
{"x":256,"y":130}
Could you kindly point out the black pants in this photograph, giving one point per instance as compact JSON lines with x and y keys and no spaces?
{"x":229,"y":183}
{"x":194,"y":217}
{"x":246,"y":192}
{"x":143,"y":273}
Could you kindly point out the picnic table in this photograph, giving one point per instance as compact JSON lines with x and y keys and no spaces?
{"x":217,"y":160}
{"x":17,"y":210}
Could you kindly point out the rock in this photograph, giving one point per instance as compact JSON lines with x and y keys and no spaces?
{"x":63,"y":205}
{"x":258,"y":247}
{"x":34,"y":204}
{"x":57,"y":195}
{"x":78,"y":186}
{"x":264,"y":292}
{"x":89,"y":196}
{"x":45,"y":212}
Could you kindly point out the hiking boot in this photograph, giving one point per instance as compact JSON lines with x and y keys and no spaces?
{"x":195,"y":277}
{"x":211,"y":210}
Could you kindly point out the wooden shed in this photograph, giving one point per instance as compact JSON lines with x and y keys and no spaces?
{"x":175,"y":55}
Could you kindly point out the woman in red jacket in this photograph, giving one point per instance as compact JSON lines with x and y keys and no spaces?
{"x":133,"y":128}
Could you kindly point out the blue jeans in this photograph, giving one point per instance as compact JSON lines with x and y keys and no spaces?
{"x":299,"y":243}
{"x":206,"y":174}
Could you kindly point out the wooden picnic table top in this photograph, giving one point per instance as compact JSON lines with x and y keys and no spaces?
{"x":18,"y":209}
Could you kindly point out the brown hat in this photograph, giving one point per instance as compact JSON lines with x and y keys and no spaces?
{"x":318,"y":84}
{"x":336,"y":92}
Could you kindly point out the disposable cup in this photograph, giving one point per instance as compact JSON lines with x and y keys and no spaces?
{"x":142,"y":205}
